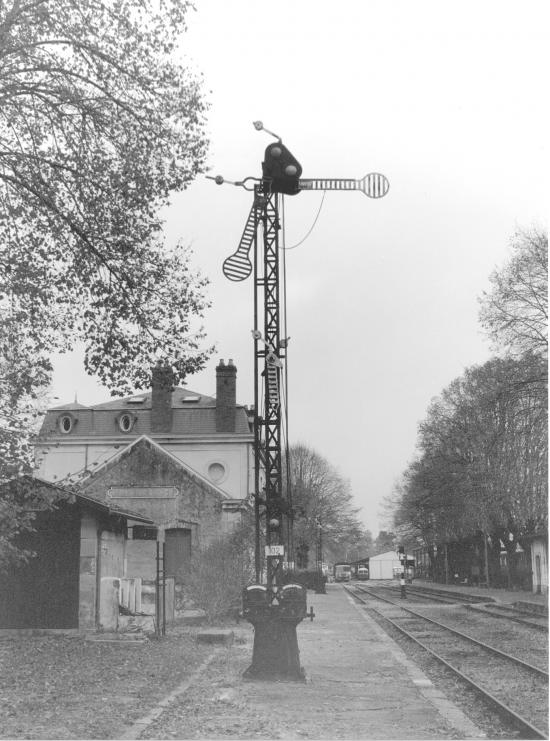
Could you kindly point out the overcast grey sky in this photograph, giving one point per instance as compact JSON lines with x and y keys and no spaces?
{"x":447,"y":99}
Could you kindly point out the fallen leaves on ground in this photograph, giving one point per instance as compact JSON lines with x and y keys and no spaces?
{"x":68,"y":688}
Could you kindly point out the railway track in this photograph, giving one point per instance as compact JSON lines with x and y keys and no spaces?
{"x":517,"y":616}
{"x":494,"y":674}
{"x":434,"y":595}
{"x":411,"y":592}
{"x":486,"y":605}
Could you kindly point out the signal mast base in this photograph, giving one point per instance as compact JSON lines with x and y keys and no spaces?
{"x":275,"y":656}
{"x":275,"y":616}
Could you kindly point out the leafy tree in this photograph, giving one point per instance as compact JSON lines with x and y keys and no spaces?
{"x":482,"y":461}
{"x":98,"y":126}
{"x":19,"y":416}
{"x":515,"y":311}
{"x":385,"y":541}
{"x":220,"y":571}
{"x":322,"y":500}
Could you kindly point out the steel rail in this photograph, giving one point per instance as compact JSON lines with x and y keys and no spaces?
{"x":471,"y":603}
{"x":523,"y":619}
{"x":518,"y":720}
{"x":465,"y":636}
{"x":454,"y":596}
{"x":438,"y":597}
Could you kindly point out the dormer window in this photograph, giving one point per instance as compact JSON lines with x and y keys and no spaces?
{"x":66,"y":423}
{"x":126,"y":422}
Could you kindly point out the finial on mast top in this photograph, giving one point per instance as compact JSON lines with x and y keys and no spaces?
{"x":258,"y":125}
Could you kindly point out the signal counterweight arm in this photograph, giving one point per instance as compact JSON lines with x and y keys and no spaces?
{"x":237,"y":266}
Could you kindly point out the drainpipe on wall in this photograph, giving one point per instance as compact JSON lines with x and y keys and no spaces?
{"x":97,"y":577}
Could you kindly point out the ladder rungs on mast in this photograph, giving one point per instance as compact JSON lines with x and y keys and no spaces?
{"x":272,"y":384}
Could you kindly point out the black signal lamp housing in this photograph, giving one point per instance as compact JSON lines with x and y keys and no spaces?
{"x":281,"y":170}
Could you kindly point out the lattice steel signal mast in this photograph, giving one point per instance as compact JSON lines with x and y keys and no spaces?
{"x":274,"y":608}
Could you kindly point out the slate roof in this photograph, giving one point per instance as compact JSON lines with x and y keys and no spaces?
{"x":178,"y":394}
{"x":71,"y":406}
{"x":197,"y":416}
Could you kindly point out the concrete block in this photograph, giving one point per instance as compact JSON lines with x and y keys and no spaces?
{"x":136,"y":624}
{"x":223,"y":636}
{"x":191,"y":617}
{"x":108,"y":603}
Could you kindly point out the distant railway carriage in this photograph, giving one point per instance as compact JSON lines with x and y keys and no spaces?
{"x":360,"y":568}
{"x":342,"y":572}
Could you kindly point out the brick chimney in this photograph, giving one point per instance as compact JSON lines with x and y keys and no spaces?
{"x":161,"y":399}
{"x":226,"y":396}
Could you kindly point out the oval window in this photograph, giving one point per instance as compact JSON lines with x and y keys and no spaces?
{"x":66,"y":423}
{"x":125,"y":422}
{"x":216,"y":472}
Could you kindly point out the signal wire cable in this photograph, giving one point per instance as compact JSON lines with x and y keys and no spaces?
{"x":311,"y":227}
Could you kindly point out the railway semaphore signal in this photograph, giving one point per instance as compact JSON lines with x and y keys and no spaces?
{"x":274,"y":608}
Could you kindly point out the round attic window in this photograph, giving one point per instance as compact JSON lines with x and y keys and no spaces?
{"x":66,"y":423}
{"x":216,"y":472}
{"x":126,"y":422}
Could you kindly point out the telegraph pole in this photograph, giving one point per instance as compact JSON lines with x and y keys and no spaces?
{"x":273,"y":607}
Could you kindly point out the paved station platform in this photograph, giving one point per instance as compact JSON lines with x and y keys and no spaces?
{"x":504,"y":596}
{"x":360,"y":684}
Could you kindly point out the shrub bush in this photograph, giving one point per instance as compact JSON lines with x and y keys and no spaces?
{"x":219,"y":572}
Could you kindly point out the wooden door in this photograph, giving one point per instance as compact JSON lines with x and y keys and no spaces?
{"x":177,"y":553}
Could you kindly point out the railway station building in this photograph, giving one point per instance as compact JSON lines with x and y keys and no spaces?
{"x":180,"y":458}
{"x":71,"y":582}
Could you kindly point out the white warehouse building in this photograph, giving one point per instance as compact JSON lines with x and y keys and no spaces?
{"x":385,"y":565}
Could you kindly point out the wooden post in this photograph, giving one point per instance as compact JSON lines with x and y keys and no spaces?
{"x":486,"y":554}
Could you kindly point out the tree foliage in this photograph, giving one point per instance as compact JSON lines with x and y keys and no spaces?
{"x":322,"y":502}
{"x":482,"y":462}
{"x":515,"y":311}
{"x":98,"y":126}
{"x":385,"y":541}
{"x":219,"y":572}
